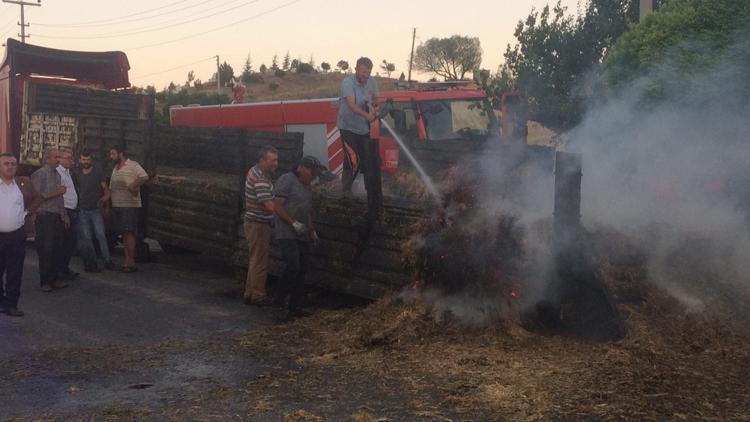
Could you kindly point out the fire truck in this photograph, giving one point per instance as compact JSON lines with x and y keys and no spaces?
{"x":421,"y":114}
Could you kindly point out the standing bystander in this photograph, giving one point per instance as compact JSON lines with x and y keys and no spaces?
{"x":294,"y":230}
{"x":259,"y":217}
{"x":92,"y":190}
{"x":70,"y":201}
{"x":17,"y":199}
{"x":125,"y":192}
{"x":51,"y":219}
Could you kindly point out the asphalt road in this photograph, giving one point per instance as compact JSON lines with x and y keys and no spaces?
{"x":91,"y":345}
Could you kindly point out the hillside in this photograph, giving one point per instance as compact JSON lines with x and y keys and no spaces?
{"x":294,"y":86}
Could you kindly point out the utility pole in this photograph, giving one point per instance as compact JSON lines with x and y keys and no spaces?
{"x":218,"y":76}
{"x":23,"y":23}
{"x":411,"y":56}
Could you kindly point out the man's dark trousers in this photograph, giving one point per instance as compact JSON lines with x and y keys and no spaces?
{"x":68,"y":242}
{"x":12,"y":254}
{"x":368,"y":155}
{"x":296,"y":256}
{"x":49,"y":229}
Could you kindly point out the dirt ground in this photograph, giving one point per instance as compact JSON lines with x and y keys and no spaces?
{"x":182,"y":347}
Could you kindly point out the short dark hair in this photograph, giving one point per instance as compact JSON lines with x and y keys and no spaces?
{"x":268,"y":149}
{"x":7,"y":154}
{"x":364,"y":61}
{"x":85,"y":152}
{"x":120,"y":149}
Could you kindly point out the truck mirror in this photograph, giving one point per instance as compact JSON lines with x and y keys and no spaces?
{"x":399,"y":120}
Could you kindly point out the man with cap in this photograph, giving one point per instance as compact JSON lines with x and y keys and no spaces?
{"x":294,"y":230}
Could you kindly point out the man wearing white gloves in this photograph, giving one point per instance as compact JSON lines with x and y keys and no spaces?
{"x":294,"y":231}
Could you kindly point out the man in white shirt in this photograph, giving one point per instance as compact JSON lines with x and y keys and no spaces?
{"x":17,"y":198}
{"x":70,"y":201}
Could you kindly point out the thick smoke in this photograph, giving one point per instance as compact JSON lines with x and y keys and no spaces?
{"x":676,"y":176}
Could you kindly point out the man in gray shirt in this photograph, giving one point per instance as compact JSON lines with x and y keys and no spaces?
{"x":51,"y":219}
{"x":294,"y":231}
{"x":356,"y":111}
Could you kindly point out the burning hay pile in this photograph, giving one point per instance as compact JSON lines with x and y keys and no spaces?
{"x":472,"y":261}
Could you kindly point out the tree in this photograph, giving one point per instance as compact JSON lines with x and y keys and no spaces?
{"x":451,"y":58}
{"x":226,"y":73}
{"x":198,"y":84}
{"x":247,"y":70}
{"x":686,"y":40}
{"x":263,"y":68}
{"x":172,"y":87}
{"x":190,"y":78}
{"x":311,"y":61}
{"x":388,"y":67}
{"x":343,"y":65}
{"x":293,"y":66}
{"x":275,"y":63}
{"x":287,"y":62}
{"x":402,"y":77}
{"x":557,"y":56}
{"x":305,"y":68}
{"x":325,"y":66}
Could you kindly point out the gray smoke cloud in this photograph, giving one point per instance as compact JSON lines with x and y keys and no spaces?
{"x":676,"y":176}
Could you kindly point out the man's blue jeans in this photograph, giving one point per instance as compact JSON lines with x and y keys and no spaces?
{"x":90,"y":224}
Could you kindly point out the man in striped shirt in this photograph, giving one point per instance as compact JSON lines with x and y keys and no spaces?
{"x":259,"y":217}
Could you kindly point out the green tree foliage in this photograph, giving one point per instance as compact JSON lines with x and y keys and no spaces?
{"x":247,"y":70}
{"x":275,"y":63}
{"x":451,"y":58}
{"x":387,"y":67}
{"x":557,"y":56}
{"x":325,"y":66}
{"x":343,"y":65}
{"x":190,"y":78}
{"x":226,"y":73}
{"x":287,"y":62}
{"x":305,"y":68}
{"x":263,"y":68}
{"x":683,"y":42}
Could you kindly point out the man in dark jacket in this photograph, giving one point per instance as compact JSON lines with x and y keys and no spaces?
{"x":294,"y":231}
{"x":18,"y":200}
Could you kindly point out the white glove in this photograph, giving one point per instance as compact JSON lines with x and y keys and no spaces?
{"x":299,"y":227}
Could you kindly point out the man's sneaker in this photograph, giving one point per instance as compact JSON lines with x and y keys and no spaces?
{"x":59,"y":285}
{"x":109,"y":265}
{"x":46,"y":288}
{"x":68,"y":275}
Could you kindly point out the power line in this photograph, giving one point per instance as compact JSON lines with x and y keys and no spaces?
{"x":202,"y":3}
{"x":113,"y":19}
{"x":143,"y":31}
{"x":174,"y":68}
{"x":215,"y":29}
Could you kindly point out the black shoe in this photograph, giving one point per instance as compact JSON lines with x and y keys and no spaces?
{"x":59,"y":285}
{"x":299,"y":313}
{"x":68,"y":275}
{"x":13,"y":312}
{"x":265,"y":302}
{"x":46,"y":288}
